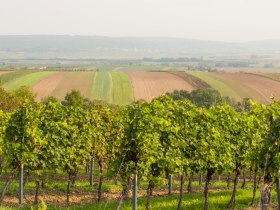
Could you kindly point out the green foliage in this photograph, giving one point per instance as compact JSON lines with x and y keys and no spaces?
{"x":202,"y":97}
{"x":4,"y":117}
{"x":151,"y":140}
{"x":74,"y":98}
{"x":41,"y":206}
{"x":23,"y":141}
{"x":10,"y":101}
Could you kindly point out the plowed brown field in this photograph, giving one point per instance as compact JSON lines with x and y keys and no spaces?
{"x":263,"y":86}
{"x":148,"y":85}
{"x":46,"y":86}
{"x":81,"y":81}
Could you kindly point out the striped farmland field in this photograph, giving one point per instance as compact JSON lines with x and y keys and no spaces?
{"x":124,"y":87}
{"x":26,"y":80}
{"x":240,"y":85}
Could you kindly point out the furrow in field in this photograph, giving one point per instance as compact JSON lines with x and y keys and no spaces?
{"x":81,"y":81}
{"x":102,"y":86}
{"x":27,"y":80}
{"x":45,"y":87}
{"x":122,"y":88}
{"x":148,"y":85}
{"x":261,"y":87}
{"x":217,"y":84}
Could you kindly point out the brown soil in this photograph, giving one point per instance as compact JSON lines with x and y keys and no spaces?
{"x":192,"y":80}
{"x":46,"y":86}
{"x":81,"y":81}
{"x":262,"y":85}
{"x":148,"y":85}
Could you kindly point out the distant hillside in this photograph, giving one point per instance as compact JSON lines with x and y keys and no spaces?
{"x":52,"y":46}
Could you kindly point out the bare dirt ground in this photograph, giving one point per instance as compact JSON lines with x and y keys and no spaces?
{"x":46,"y":86}
{"x":195,"y":82}
{"x":81,"y":81}
{"x":262,"y":85}
{"x":148,"y":85}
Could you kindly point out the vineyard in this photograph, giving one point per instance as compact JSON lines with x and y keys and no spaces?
{"x":117,"y":155}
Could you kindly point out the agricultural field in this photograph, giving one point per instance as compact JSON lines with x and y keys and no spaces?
{"x":274,"y":76}
{"x":26,"y":80}
{"x":12,"y":75}
{"x":81,"y":81}
{"x":102,"y":86}
{"x":122,"y":87}
{"x":116,"y":87}
{"x":192,"y":80}
{"x":148,"y":85}
{"x":241,"y":85}
{"x":215,"y":83}
{"x":46,"y":86}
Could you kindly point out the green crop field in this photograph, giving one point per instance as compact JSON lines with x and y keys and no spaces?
{"x":26,"y":80}
{"x":8,"y":77}
{"x":215,"y":83}
{"x":102,"y":86}
{"x":122,"y":88}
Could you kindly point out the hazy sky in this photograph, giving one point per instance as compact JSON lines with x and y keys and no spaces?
{"x":224,"y":20}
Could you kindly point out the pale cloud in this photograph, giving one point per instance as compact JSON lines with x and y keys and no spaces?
{"x":225,"y":20}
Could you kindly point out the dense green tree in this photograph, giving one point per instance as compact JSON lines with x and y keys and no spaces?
{"x":10,"y":101}
{"x":206,"y":97}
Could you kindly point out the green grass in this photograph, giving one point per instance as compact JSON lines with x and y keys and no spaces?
{"x":26,"y":80}
{"x":192,"y":201}
{"x":102,"y":86}
{"x":215,"y":83}
{"x":8,"y":77}
{"x":122,"y":88}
